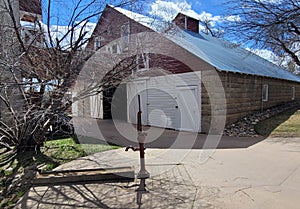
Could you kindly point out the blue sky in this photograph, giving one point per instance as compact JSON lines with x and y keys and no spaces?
{"x":212,"y":6}
{"x":201,"y":9}
{"x":62,"y":9}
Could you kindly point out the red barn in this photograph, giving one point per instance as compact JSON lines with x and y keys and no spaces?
{"x":188,"y":80}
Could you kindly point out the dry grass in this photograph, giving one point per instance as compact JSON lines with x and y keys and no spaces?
{"x":286,"y":124}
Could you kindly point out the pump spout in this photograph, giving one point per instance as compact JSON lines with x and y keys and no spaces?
{"x":133,"y":148}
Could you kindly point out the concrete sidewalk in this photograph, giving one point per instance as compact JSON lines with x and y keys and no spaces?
{"x":264,"y":175}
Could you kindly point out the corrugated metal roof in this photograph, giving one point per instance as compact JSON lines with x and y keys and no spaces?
{"x":223,"y":55}
{"x":229,"y":57}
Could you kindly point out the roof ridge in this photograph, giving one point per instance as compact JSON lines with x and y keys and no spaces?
{"x":144,"y":20}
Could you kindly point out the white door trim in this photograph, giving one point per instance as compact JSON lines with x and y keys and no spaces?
{"x":193,"y":113}
{"x":132,"y":85}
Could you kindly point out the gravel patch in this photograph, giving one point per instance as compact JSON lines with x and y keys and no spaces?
{"x":244,"y":127}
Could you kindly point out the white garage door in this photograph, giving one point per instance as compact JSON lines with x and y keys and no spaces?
{"x":162,"y":101}
{"x":171,"y":101}
{"x":161,"y":108}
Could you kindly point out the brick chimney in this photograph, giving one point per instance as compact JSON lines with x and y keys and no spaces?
{"x":187,"y":23}
{"x":30,"y":10}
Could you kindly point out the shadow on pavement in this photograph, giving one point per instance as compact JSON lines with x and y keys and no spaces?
{"x":172,"y":189}
{"x":123,"y":134}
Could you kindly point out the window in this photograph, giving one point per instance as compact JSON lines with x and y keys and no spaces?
{"x":108,"y":49}
{"x":97,"y":43}
{"x":265,"y":92}
{"x":293,"y":93}
{"x":114,"y":49}
{"x":146,"y":60}
{"x":143,"y":62}
{"x":125,"y":30}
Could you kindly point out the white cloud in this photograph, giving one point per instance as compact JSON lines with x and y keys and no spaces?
{"x":232,"y":18}
{"x":270,"y":1}
{"x":208,"y":16}
{"x":58,"y":32}
{"x":167,"y":10}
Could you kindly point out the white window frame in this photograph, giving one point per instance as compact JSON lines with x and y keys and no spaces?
{"x":293,"y":92}
{"x":125,"y":32}
{"x":265,"y":93}
{"x":145,"y":58}
{"x":97,"y":42}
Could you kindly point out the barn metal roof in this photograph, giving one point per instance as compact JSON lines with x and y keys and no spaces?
{"x":226,"y":56}
{"x":223,"y":55}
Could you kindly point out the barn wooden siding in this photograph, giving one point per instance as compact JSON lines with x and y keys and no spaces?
{"x":109,"y":27}
{"x":244,"y":95}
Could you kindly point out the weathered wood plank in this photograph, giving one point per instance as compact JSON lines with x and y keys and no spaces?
{"x":118,"y":174}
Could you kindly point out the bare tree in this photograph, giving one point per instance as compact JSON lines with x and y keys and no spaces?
{"x":209,"y":28}
{"x":37,"y":70}
{"x":272,"y":25}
